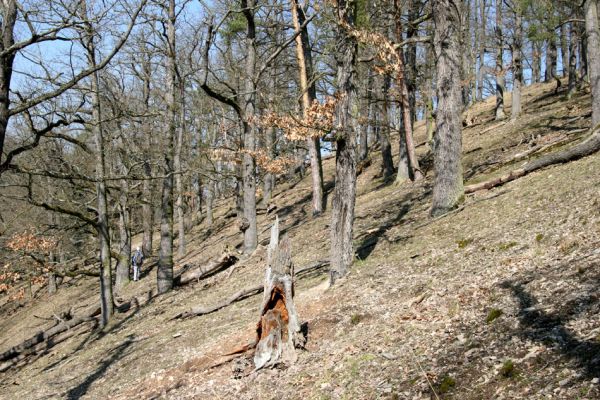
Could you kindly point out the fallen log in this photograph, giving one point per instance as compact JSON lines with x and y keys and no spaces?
{"x":244,"y":293}
{"x":585,"y":148}
{"x":204,"y":271}
{"x":28,"y":346}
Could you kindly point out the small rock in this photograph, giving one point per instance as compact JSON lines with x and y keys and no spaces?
{"x":595,"y":381}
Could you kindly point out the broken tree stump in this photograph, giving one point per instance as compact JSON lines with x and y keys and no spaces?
{"x":278,"y":331}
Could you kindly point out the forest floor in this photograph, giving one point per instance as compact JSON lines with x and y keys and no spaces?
{"x":498,"y":299}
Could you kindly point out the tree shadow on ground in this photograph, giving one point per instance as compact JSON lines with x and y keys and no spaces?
{"x":117,"y":353}
{"x":550,"y":328}
{"x":96,"y":334}
{"x":372,"y":237}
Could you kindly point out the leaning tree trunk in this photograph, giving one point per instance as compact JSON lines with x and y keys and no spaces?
{"x":593,"y":56}
{"x":164,"y":276}
{"x":278,"y":332}
{"x":448,"y":183}
{"x":500,"y":82}
{"x":309,"y":95}
{"x":517,"y":50}
{"x":344,"y":195}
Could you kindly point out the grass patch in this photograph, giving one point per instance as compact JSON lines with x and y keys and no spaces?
{"x":462,"y":243}
{"x":494,"y":314}
{"x":506,"y":246}
{"x":508,"y":369}
{"x":447,"y":384}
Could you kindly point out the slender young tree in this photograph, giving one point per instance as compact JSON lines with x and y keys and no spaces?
{"x":448,"y":190}
{"x":309,"y":95}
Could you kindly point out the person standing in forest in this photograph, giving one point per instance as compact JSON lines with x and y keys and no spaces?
{"x":136,"y":260}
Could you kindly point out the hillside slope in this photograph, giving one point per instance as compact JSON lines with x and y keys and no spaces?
{"x":499,"y":299}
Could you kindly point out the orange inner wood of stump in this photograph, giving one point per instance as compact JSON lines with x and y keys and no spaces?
{"x":278,"y":308}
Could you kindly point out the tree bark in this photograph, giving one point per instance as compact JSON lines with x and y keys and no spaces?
{"x":344,"y":195}
{"x":500,"y":81}
{"x":593,"y":56}
{"x":517,"y":50}
{"x":164,"y":275}
{"x":448,"y":183}
{"x":309,"y":95}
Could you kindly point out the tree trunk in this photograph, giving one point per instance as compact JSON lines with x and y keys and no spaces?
{"x":415,"y":169}
{"x":593,"y":56}
{"x":164,"y":276}
{"x":517,"y":50}
{"x":9,"y":18}
{"x":583,"y":59}
{"x":179,"y":203}
{"x":278,"y":331}
{"x":500,"y":82}
{"x":147,"y":183}
{"x":102,"y":225}
{"x":465,"y":46}
{"x":364,"y":133}
{"x":551,"y":55}
{"x":448,"y":189}
{"x":536,"y":62}
{"x":147,"y":212}
{"x":270,"y":138}
{"x":564,"y":49}
{"x":309,"y":95}
{"x":210,"y":195}
{"x":573,"y":40}
{"x":482,"y":23}
{"x":249,"y":165}
{"x":384,"y":136}
{"x":344,"y":195}
{"x":122,"y":270}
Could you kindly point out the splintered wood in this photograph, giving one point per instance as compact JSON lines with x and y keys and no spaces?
{"x":278,"y":331}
